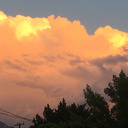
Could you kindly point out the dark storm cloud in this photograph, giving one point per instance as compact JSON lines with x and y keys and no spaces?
{"x":110,"y":60}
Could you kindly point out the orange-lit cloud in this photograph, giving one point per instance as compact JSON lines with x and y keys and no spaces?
{"x":43,"y":60}
{"x":116,"y":38}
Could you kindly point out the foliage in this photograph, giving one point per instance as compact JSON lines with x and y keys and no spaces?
{"x":98,"y":108}
{"x":49,"y":114}
{"x":63,"y":112}
{"x":94,"y":113}
{"x":118,"y":93}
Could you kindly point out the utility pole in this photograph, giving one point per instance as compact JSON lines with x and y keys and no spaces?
{"x":19,"y":124}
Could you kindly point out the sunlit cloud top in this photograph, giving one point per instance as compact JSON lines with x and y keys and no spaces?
{"x":24,"y":26}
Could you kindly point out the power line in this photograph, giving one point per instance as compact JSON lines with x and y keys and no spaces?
{"x":7,"y":113}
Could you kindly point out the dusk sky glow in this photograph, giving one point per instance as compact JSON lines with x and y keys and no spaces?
{"x":52,"y":49}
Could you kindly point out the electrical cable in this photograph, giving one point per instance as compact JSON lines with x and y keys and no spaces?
{"x":6,"y":113}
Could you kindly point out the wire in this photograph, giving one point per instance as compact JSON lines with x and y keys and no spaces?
{"x":6,"y":113}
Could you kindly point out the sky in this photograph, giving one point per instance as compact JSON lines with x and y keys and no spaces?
{"x":91,"y":13}
{"x":52,"y":49}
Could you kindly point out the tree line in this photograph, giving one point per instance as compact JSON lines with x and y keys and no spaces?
{"x":94,"y":113}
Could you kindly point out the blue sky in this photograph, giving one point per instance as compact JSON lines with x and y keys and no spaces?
{"x":91,"y":13}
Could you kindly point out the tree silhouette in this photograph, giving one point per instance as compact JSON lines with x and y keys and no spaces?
{"x":73,"y":108}
{"x":118,"y":93}
{"x":37,"y":120}
{"x":98,"y":108}
{"x":94,"y":113}
{"x":49,"y":114}
{"x":62,"y":112}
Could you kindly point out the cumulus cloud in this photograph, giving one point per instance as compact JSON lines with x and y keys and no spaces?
{"x":43,"y":60}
